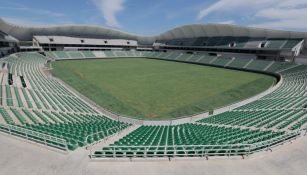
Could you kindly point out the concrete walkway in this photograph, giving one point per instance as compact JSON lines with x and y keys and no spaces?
{"x":285,"y":160}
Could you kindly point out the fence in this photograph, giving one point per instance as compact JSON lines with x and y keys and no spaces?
{"x":106,"y":134}
{"x":34,"y":136}
{"x":191,"y":150}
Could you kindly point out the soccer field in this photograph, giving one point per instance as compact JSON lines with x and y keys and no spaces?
{"x":155,"y":89}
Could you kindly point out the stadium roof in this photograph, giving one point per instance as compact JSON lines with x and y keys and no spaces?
{"x":187,"y":31}
{"x":6,"y":37}
{"x":210,"y":30}
{"x":27,"y":32}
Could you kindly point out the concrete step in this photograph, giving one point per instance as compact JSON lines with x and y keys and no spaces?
{"x":113,"y":138}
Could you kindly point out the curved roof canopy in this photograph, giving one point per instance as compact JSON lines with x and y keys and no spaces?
{"x":211,"y":30}
{"x":187,"y":31}
{"x":27,"y":33}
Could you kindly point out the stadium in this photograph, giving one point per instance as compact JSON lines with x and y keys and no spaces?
{"x":196,"y":99}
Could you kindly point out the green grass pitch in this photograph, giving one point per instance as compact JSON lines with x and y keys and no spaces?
{"x":155,"y":89}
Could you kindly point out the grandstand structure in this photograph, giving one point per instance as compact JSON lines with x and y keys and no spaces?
{"x":8,"y":44}
{"x":40,"y":108}
{"x":53,"y":43}
{"x":248,"y":124}
{"x":220,"y":39}
{"x":214,"y":38}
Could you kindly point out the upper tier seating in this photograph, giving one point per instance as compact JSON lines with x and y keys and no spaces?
{"x":275,"y":44}
{"x":241,"y":41}
{"x":201,"y":41}
{"x":291,"y":43}
{"x":233,"y":42}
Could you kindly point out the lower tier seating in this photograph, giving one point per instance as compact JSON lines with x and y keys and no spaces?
{"x":77,"y":129}
{"x":186,"y":140}
{"x":279,"y":119}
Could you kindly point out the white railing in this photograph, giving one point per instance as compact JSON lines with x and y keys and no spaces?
{"x":192,"y":150}
{"x":172,"y":151}
{"x":34,"y":136}
{"x":106,"y":135}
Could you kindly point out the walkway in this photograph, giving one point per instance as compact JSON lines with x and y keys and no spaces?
{"x":19,"y":157}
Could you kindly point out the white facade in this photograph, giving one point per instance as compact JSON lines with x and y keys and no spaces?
{"x":82,"y":41}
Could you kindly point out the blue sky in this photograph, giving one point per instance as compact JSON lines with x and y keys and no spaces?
{"x":151,"y":17}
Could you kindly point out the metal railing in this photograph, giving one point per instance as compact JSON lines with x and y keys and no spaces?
{"x":192,"y":150}
{"x":34,"y":136}
{"x":106,"y":135}
{"x":273,"y":142}
{"x":172,"y":151}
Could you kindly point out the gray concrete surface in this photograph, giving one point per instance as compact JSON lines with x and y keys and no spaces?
{"x":20,"y":157}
